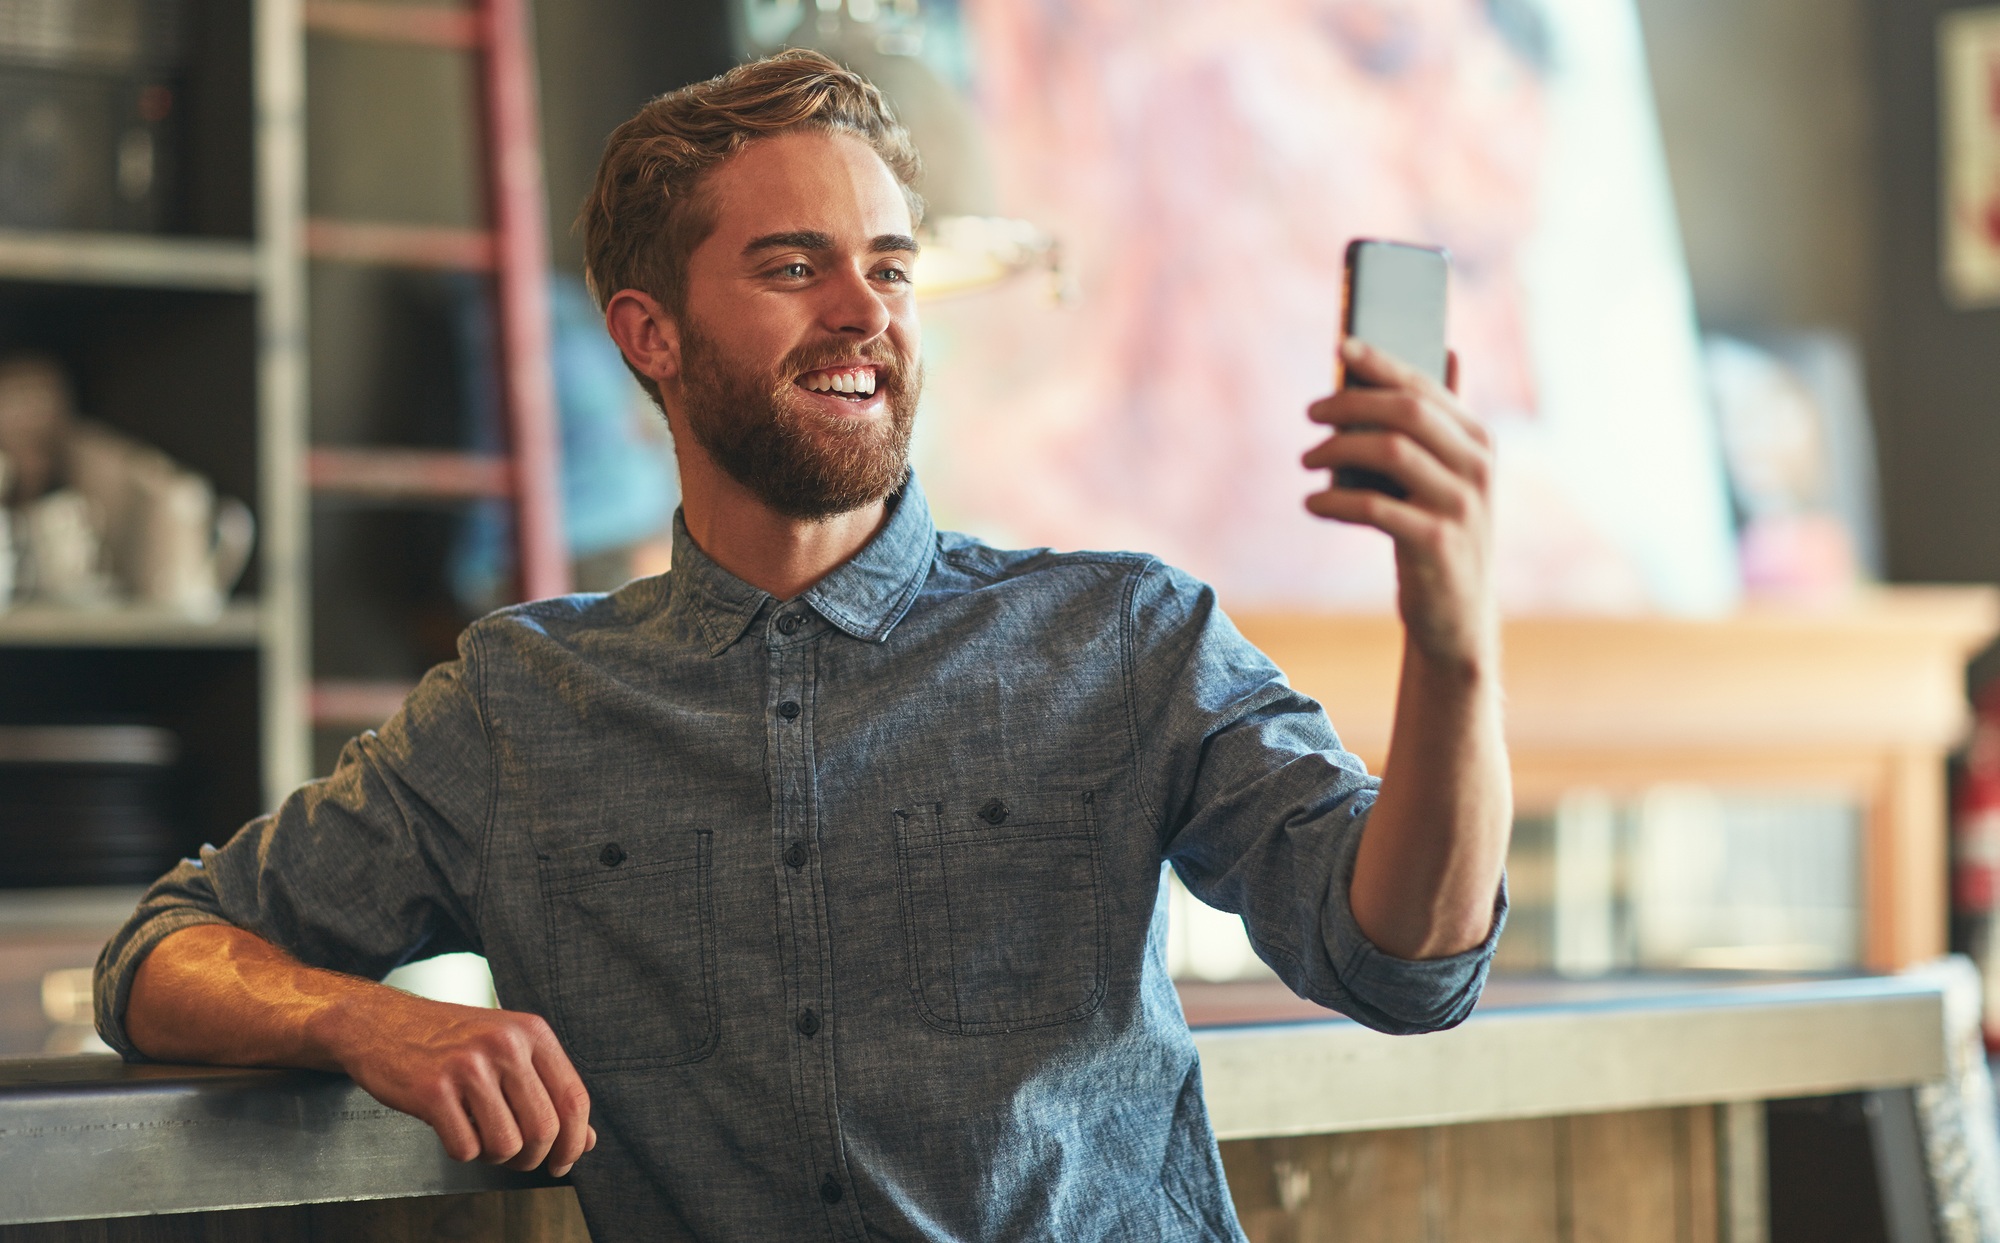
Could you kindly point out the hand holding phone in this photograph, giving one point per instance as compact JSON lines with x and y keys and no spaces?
{"x":1393,"y":298}
{"x":1408,"y":458}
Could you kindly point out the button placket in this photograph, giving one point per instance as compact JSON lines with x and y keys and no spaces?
{"x":795,"y":815}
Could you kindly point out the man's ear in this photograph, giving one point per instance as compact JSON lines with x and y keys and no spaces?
{"x":647,"y":335}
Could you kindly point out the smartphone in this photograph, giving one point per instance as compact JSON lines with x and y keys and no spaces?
{"x":1394,"y":299}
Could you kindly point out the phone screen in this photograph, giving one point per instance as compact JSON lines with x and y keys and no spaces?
{"x":1395,"y":301}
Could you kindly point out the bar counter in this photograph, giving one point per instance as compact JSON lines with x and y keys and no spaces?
{"x":88,"y":1138}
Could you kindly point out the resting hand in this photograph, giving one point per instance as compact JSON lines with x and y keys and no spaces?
{"x":494,"y":1084}
{"x":1418,"y":433}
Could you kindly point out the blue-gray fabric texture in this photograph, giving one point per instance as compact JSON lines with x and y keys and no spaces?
{"x":848,"y":909}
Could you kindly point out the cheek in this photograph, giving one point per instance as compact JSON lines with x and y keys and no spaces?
{"x":909,"y":334}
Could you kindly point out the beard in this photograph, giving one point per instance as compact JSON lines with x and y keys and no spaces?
{"x":761,"y":429}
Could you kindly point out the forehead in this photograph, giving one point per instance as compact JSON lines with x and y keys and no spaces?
{"x":830,"y":183}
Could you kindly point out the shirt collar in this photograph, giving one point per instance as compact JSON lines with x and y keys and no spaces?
{"x":865,"y":597}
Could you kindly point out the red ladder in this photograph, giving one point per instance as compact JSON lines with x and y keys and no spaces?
{"x":515,"y":250}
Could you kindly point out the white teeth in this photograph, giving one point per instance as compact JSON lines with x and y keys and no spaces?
{"x":860,"y":382}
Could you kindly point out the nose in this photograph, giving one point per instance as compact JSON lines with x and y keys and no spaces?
{"x":854,"y":308}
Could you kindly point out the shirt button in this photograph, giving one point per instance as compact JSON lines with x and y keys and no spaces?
{"x":612,"y":855}
{"x":829,"y":1190}
{"x":808,"y":1022}
{"x":789,"y":709}
{"x":790,"y":623}
{"x":795,"y":855}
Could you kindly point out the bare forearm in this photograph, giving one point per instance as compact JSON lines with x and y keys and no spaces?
{"x":216,"y":993}
{"x":1436,"y":840}
{"x":493,"y":1084}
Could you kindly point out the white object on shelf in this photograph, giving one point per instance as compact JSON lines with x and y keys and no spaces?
{"x":463,"y":979}
{"x":1204,"y":943}
{"x":1742,"y":880}
{"x":1586,"y":854}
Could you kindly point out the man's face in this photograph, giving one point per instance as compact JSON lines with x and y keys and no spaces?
{"x":799,"y":371}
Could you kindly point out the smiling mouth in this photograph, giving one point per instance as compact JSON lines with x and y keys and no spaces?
{"x":855,"y":384}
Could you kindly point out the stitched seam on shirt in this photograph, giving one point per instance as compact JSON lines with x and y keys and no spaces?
{"x":492,"y":783}
{"x":950,"y":925}
{"x":1128,"y":660}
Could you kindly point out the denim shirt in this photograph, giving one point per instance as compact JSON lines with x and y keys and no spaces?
{"x":849,"y":908}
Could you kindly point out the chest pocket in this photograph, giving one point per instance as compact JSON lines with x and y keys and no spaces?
{"x":632,"y":945}
{"x":1002,"y":910}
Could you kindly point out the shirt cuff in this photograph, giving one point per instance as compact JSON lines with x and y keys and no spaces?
{"x":118,"y":965}
{"x":1415,"y":995}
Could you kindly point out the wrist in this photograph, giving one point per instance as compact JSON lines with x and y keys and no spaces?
{"x":1469,"y":665}
{"x":340,"y":1024}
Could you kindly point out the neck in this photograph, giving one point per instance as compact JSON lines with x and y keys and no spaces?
{"x":772,"y":552}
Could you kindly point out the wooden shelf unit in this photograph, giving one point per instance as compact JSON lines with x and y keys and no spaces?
{"x":193,"y":341}
{"x":1864,"y":699}
{"x":240,"y":624}
{"x":129,"y":260}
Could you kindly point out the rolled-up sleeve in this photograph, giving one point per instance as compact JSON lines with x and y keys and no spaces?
{"x":1262,"y":812}
{"x":376,"y":865}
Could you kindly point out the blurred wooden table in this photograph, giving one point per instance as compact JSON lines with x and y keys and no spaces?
{"x":1864,"y":699}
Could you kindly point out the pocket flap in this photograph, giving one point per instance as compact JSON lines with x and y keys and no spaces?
{"x":1000,"y":812}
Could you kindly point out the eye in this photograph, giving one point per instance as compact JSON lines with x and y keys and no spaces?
{"x":894,"y":276}
{"x":797,"y":271}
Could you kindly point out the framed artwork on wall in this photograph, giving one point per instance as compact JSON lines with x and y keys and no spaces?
{"x":1969,"y":146}
{"x":1204,"y":166}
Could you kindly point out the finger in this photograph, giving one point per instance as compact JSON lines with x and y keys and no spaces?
{"x":534,"y":1117}
{"x":1426,"y":479}
{"x":1358,"y":409}
{"x":571,"y":1102}
{"x":499,"y":1138}
{"x":1376,"y":367}
{"x":454,"y":1128}
{"x":1364,"y":507}
{"x":1362,"y":361}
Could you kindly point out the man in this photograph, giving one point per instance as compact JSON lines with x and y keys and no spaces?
{"x":820,"y":878}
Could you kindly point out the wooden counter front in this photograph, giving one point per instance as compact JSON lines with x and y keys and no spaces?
{"x":1864,"y":699}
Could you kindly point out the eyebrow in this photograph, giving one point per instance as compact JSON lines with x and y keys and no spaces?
{"x":810,"y":239}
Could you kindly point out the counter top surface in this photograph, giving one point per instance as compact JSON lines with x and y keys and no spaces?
{"x":90,"y":1137}
{"x":1275,"y":1065}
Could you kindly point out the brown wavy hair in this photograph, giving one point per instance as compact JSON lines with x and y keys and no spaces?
{"x":646,"y":214}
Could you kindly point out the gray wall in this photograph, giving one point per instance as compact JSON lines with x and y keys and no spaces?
{"x":1801,"y":135}
{"x":1764,"y":106}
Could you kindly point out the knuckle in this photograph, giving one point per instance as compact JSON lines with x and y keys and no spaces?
{"x":539,"y":1134}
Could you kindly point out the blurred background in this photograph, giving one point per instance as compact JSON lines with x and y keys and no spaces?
{"x":283,"y":372}
{"x":1711,"y":289}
